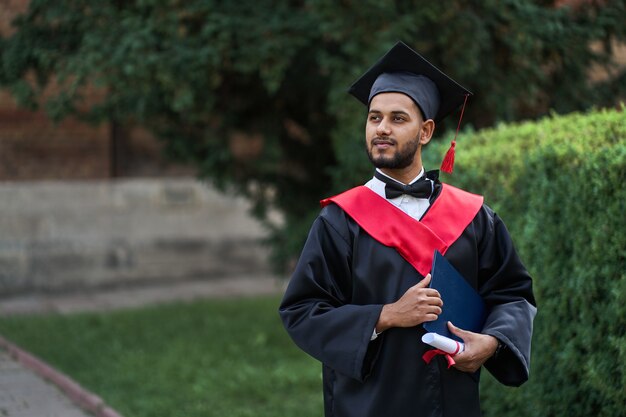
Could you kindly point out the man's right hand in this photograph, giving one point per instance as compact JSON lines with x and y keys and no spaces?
{"x":418,"y":305}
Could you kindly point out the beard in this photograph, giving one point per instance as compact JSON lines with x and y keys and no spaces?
{"x":401,"y":158}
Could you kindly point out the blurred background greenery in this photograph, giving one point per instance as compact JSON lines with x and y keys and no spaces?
{"x":252,"y":93}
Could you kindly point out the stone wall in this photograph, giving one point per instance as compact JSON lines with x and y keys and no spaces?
{"x":61,"y":236}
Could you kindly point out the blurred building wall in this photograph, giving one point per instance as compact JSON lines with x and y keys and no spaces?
{"x":65,"y":236}
{"x":33,"y":147}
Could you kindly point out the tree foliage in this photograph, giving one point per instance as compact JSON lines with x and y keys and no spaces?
{"x":252,"y":93}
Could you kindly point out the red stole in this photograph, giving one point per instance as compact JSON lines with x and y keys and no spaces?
{"x":416,"y":241}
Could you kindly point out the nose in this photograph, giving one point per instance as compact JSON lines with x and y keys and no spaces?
{"x":383,"y":128}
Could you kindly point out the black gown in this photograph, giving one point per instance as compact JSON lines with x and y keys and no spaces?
{"x":335,"y":296}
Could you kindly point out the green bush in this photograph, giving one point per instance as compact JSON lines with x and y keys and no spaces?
{"x":559,"y":185}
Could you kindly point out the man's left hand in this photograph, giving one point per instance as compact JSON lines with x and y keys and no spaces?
{"x":478,"y":348}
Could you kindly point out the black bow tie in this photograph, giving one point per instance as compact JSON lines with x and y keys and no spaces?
{"x":422,"y":188}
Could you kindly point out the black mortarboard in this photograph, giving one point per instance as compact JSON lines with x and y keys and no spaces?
{"x":403,"y":70}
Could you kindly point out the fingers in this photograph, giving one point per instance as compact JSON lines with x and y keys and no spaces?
{"x":455,"y":330}
{"x":433,"y":303}
{"x":463,"y":334}
{"x":428,"y":298}
{"x":418,"y":304}
{"x":431,"y":312}
{"x":422,"y":289}
{"x":424,"y":283}
{"x":478,"y":349}
{"x":432,"y":316}
{"x":435,"y":300}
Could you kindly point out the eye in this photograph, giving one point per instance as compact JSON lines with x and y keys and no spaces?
{"x":374,"y":117}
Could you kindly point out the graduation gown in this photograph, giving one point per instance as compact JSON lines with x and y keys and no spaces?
{"x":336,"y":293}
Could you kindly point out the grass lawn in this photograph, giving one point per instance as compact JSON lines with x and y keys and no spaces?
{"x":210,"y":358}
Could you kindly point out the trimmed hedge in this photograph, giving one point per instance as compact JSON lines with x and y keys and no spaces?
{"x":559,"y":184}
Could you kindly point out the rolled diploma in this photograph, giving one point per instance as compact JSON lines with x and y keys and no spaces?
{"x":444,"y":343}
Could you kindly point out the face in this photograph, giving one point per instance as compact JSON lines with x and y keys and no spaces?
{"x":394,"y":131}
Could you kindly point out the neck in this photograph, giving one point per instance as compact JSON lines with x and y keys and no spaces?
{"x":404,"y":175}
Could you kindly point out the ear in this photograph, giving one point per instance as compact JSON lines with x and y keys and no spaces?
{"x":427,"y":130}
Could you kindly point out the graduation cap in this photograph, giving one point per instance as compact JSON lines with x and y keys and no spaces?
{"x":402,"y":70}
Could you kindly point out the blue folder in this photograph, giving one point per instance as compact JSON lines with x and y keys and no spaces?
{"x":462,"y":305}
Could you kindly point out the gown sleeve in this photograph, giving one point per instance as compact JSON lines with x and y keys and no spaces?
{"x":507,"y":291}
{"x":316,"y":309}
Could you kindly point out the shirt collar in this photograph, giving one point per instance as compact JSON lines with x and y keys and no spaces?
{"x":420,"y":175}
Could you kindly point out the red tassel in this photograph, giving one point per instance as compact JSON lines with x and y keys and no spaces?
{"x":447,"y":165}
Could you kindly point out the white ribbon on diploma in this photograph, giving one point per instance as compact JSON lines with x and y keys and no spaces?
{"x":443,"y":343}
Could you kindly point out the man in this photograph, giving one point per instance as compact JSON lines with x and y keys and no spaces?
{"x":360,"y":292}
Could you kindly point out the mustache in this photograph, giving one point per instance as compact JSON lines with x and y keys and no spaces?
{"x":382,"y":139}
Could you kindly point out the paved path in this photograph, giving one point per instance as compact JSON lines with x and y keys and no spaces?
{"x":31,"y":388}
{"x":24,"y":393}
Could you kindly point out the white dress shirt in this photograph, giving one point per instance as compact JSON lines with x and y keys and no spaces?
{"x":413,"y":206}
